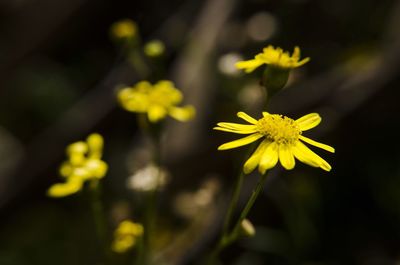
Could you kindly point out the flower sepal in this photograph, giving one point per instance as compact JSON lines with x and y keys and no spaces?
{"x":274,"y":79}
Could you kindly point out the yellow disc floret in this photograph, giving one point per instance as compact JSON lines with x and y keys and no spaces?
{"x":279,"y":128}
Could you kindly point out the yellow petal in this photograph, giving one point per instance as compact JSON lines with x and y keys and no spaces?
{"x":246,"y":117}
{"x":77,"y":159}
{"x":182,"y":114}
{"x":235,"y":131}
{"x":65,"y":169}
{"x":317,"y":144}
{"x":308,"y":121}
{"x":95,"y":142}
{"x":124,"y":94}
{"x":165,"y":83}
{"x":156,"y":113}
{"x":296,"y":53}
{"x":304,"y":61}
{"x":249,"y":65}
{"x":77,"y":147}
{"x":143,"y":86}
{"x":240,"y":142}
{"x":269,"y":158}
{"x":96,"y":168}
{"x":254,"y":159}
{"x":286,"y":157}
{"x":305,"y":155}
{"x":64,"y":189}
{"x":237,"y":126}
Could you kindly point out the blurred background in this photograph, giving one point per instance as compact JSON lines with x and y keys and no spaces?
{"x":59,"y":73}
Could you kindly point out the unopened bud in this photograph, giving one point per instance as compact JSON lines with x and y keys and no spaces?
{"x":247,"y":228}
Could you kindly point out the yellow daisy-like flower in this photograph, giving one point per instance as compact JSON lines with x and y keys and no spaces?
{"x":274,"y":57}
{"x":125,"y":236}
{"x":282,"y":140}
{"x":158,"y":101}
{"x":84,"y":163}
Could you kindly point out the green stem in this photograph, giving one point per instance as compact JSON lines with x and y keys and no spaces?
{"x":228,"y":218}
{"x":226,"y":238}
{"x":249,"y":205}
{"x":233,"y":203}
{"x":149,"y":224}
{"x":136,"y":60}
{"x":150,"y":214}
{"x":98,"y":215}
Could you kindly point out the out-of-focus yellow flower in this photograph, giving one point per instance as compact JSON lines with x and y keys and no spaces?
{"x":126,"y":235}
{"x":158,"y":101}
{"x":124,"y":29}
{"x":154,"y":48}
{"x":83,"y":163}
{"x":282,"y":140}
{"x":274,"y":57}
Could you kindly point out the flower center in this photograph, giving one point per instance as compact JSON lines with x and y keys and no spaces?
{"x":278,"y":128}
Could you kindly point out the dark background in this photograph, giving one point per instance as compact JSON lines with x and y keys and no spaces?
{"x":59,"y":71}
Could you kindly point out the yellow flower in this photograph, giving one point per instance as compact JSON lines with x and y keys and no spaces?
{"x":154,"y":48}
{"x":282,"y":140}
{"x":125,"y":236}
{"x":124,"y":29}
{"x":274,"y":57}
{"x":83,"y":163}
{"x":157,"y":101}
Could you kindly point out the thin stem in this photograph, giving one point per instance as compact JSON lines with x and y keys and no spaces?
{"x":233,"y":203}
{"x":228,"y":218}
{"x":249,"y":205}
{"x":228,"y":239}
{"x":98,"y":215}
{"x":150,"y":214}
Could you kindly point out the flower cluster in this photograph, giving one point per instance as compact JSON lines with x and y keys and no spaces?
{"x":275,"y":57}
{"x":126,"y":235}
{"x":84,"y":163}
{"x":282,"y":140}
{"x":158,"y":101}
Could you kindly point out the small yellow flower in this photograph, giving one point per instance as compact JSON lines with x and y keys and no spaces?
{"x":158,"y":101}
{"x":274,"y":57}
{"x":125,"y":236}
{"x":154,"y":48}
{"x":124,"y":29}
{"x":84,"y":163}
{"x":282,"y":140}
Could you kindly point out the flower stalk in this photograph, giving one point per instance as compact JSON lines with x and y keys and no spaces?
{"x":230,"y":237}
{"x":99,"y":216}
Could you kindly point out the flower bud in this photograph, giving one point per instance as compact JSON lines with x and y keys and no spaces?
{"x":247,"y":229}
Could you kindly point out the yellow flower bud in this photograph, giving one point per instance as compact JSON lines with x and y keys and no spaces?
{"x":154,"y":48}
{"x":124,"y":29}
